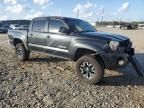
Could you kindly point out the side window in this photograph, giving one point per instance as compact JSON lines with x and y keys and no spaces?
{"x":55,"y":25}
{"x":40,"y":25}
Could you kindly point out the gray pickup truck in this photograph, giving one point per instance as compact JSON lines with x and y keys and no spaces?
{"x":76,"y":40}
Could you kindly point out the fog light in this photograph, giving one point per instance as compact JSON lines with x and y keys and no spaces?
{"x":121,"y":62}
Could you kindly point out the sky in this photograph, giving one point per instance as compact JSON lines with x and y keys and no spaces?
{"x":92,"y":10}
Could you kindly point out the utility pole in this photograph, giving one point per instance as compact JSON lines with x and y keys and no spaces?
{"x":78,"y":11}
{"x":120,"y":20}
{"x":102,"y":19}
{"x":102,"y":16}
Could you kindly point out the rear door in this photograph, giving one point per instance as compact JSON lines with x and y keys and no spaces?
{"x":37,"y":36}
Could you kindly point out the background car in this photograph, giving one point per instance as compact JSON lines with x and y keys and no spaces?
{"x":3,"y":29}
{"x":15,"y":26}
{"x":23,"y":27}
{"x":128,"y":26}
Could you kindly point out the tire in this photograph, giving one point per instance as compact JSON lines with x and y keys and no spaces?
{"x":21,"y":53}
{"x":89,"y":69}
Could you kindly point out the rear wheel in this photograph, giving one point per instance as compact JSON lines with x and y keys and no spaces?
{"x":21,"y":53}
{"x":89,"y":69}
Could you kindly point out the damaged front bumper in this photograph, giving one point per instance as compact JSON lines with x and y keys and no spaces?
{"x":118,"y":60}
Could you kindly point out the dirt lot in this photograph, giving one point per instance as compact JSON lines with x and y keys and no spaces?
{"x":46,"y":82}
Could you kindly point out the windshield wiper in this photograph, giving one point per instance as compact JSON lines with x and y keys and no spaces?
{"x":81,"y":31}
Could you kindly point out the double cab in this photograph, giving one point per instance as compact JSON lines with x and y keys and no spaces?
{"x":75,"y":40}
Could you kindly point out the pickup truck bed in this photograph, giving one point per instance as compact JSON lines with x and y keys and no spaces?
{"x":18,"y":34}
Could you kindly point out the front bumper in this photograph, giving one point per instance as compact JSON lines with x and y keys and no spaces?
{"x":117,"y":60}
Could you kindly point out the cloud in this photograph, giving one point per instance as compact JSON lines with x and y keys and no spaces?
{"x":15,"y":9}
{"x":10,"y":1}
{"x":34,"y":15}
{"x":47,"y":5}
{"x":58,"y":12}
{"x":124,"y":7}
{"x":4,"y":18}
{"x":22,"y":9}
{"x":84,"y":10}
{"x":41,"y":2}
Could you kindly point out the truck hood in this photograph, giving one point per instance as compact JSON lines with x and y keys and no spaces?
{"x":104,"y":36}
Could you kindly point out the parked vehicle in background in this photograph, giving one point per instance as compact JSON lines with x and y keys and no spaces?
{"x":141,"y":25}
{"x":3,"y":29}
{"x":23,"y":27}
{"x":128,"y":26}
{"x":18,"y":27}
{"x":15,"y":26}
{"x":76,"y":40}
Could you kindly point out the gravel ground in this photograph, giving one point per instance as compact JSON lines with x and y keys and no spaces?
{"x":46,"y":82}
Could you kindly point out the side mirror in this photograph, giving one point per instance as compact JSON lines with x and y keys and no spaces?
{"x":63,"y":30}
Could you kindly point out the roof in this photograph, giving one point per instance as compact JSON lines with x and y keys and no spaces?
{"x":58,"y":17}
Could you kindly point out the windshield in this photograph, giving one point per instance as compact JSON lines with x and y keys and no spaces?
{"x":80,"y":26}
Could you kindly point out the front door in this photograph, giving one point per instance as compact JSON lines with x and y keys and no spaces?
{"x":58,"y":43}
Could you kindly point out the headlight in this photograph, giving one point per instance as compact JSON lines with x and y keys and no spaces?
{"x":114,"y":45}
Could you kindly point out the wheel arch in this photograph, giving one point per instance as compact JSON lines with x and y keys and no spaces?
{"x":17,"y":41}
{"x":84,"y":51}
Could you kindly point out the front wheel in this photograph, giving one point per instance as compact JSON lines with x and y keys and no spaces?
{"x":21,"y":53}
{"x":89,"y":69}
